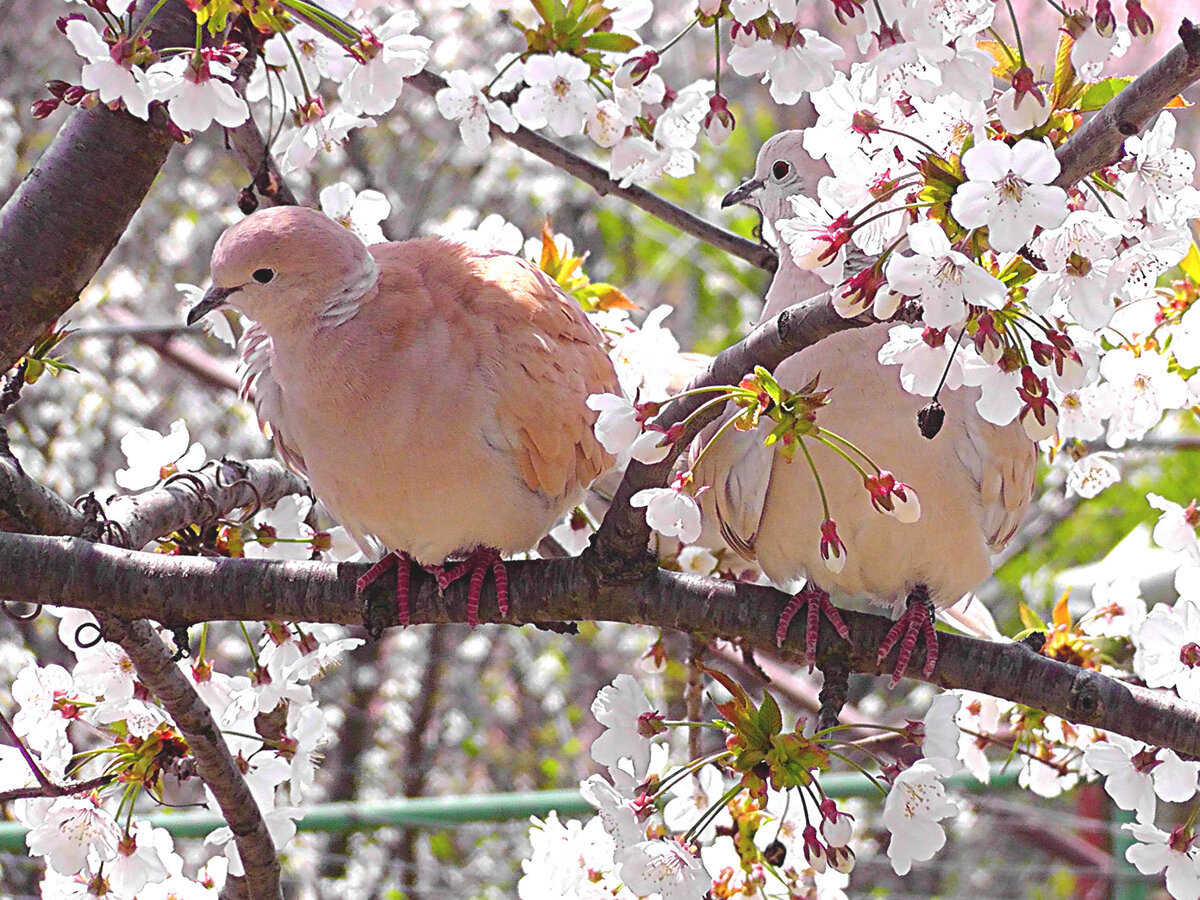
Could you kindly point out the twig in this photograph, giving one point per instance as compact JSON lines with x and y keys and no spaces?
{"x":591,"y":174}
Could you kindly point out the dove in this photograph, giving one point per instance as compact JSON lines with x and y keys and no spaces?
{"x":968,"y":487}
{"x":434,"y":395}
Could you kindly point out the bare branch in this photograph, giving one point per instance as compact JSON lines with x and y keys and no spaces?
{"x":591,"y":174}
{"x":1098,"y":142}
{"x":73,"y":572}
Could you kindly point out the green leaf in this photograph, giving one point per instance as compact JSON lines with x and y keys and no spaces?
{"x":610,"y":41}
{"x":1098,"y":94}
{"x":770,"y":720}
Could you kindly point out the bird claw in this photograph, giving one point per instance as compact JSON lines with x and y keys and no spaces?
{"x":817,"y":602}
{"x":917,"y":620}
{"x":477,"y":564}
{"x":403,"y":565}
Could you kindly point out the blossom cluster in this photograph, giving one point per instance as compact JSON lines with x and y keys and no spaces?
{"x":96,"y":718}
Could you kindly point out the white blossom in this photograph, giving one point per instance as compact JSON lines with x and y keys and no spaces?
{"x":372,"y":87}
{"x":912,"y":812}
{"x":557,"y":95}
{"x":149,"y":453}
{"x":464,"y":102}
{"x":103,"y":74}
{"x":1008,"y":191}
{"x":944,"y":279}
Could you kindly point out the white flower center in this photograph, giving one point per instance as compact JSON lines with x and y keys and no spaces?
{"x":560,"y":87}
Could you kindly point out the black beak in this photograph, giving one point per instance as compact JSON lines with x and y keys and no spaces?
{"x":742,"y":192}
{"x":214,"y":298}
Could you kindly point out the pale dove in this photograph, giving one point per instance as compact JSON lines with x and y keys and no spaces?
{"x":433,"y":394}
{"x":974,"y":480}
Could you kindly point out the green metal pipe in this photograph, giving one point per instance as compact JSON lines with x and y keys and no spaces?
{"x":450,"y":811}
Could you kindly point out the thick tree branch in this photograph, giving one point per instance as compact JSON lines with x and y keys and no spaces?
{"x":157,"y":670}
{"x":74,"y":572}
{"x":76,"y":202}
{"x":591,"y":174}
{"x":1098,"y":142}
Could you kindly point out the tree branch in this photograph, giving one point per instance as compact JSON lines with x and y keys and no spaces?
{"x":74,"y":572}
{"x":591,"y":174}
{"x":76,"y":202}
{"x":1098,"y":142}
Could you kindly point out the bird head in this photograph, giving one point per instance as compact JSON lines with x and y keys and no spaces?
{"x":286,"y":262}
{"x":777,"y":176}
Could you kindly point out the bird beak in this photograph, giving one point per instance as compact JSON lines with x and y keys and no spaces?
{"x":742,"y":192}
{"x":214,"y":298}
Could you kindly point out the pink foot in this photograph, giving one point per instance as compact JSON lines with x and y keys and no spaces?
{"x":403,"y":564}
{"x":477,"y":564}
{"x":917,"y":620}
{"x":817,"y":602}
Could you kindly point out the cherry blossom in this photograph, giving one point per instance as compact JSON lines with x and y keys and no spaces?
{"x":475,"y":112}
{"x":619,"y":430}
{"x":1143,"y":388}
{"x":1081,"y":413}
{"x":1175,"y":529}
{"x":70,"y":830}
{"x":107,"y":671}
{"x":284,"y":520}
{"x":1135,"y":775}
{"x":198,"y":91}
{"x":923,"y":355}
{"x":944,"y":279}
{"x":361,"y":212}
{"x":940,"y":746}
{"x":912,"y":812}
{"x":1092,"y":474}
{"x":1167,"y":648}
{"x":791,"y":67}
{"x":151,"y":456}
{"x":564,"y":858}
{"x":619,"y":708}
{"x":138,"y":861}
{"x":1020,"y":111}
{"x":1118,"y":609}
{"x":557,"y":94}
{"x":814,"y":238}
{"x":642,"y":358}
{"x":980,"y":715}
{"x":281,"y":825}
{"x":606,"y":123}
{"x":1154,"y":169}
{"x":317,"y":134}
{"x":694,"y":797}
{"x":112,"y":77}
{"x":391,"y":53}
{"x":666,"y":868}
{"x":1157,"y":850}
{"x":1009,"y":192}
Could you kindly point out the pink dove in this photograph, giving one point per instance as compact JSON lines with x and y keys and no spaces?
{"x":433,"y":394}
{"x":974,"y":480}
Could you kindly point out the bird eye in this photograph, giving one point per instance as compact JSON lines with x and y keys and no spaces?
{"x":781,"y":169}
{"x":263,"y":276}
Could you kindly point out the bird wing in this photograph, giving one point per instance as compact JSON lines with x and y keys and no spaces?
{"x":258,"y":384}
{"x":1003,"y":462}
{"x":553,"y":360}
{"x":738,"y":470}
